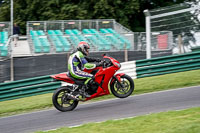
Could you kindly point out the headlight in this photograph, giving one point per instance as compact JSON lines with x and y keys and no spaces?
{"x":118,"y":64}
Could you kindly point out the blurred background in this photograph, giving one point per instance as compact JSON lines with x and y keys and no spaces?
{"x":51,"y":29}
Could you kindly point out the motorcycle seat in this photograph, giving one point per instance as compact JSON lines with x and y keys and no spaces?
{"x":77,"y":81}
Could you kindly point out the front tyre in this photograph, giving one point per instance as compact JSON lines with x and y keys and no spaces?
{"x":126,"y":90}
{"x":61,"y":101}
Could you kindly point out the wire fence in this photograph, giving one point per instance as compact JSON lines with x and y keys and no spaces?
{"x":70,"y":24}
{"x":112,"y":41}
{"x":183,"y":20}
{"x":5,"y":27}
{"x":5,"y":32}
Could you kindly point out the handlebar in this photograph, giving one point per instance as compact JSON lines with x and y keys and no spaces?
{"x":111,"y":61}
{"x":106,"y":63}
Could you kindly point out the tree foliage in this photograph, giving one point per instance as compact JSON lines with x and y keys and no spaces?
{"x":127,"y":12}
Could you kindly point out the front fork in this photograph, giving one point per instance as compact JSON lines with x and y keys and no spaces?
{"x":117,"y":77}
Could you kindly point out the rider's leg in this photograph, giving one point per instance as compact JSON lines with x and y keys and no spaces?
{"x":82,"y":75}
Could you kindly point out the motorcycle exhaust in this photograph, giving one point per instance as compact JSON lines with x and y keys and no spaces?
{"x":72,"y":97}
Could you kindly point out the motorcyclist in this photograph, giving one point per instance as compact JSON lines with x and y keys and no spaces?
{"x":78,"y":61}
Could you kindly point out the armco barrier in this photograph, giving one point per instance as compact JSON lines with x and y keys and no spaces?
{"x":129,"y":68}
{"x":167,"y":64}
{"x":136,"y":69}
{"x":27,"y":87}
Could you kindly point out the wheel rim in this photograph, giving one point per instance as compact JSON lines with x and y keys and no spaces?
{"x":122,"y":90}
{"x":63,"y":101}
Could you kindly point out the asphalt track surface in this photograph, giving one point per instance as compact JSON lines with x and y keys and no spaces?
{"x":176,"y":99}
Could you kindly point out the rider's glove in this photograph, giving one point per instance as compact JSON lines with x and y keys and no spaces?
{"x":98,"y":60}
{"x":99,"y":64}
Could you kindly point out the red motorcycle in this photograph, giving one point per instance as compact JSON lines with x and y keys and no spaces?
{"x":66,"y":98}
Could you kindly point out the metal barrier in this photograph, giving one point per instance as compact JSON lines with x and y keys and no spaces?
{"x":27,"y":87}
{"x":168,"y":64}
{"x":136,"y":69}
{"x":129,"y":68}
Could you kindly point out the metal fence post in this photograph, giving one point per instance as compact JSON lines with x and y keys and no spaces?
{"x":45,"y":26}
{"x":63,"y":26}
{"x":11,"y":54}
{"x":180,"y":44}
{"x":148,"y":33}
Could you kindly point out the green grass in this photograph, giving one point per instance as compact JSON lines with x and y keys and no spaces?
{"x":23,"y":105}
{"x":185,"y":121}
{"x":143,"y":85}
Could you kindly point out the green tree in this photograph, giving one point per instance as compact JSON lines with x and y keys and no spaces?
{"x":4,"y":11}
{"x":127,"y":12}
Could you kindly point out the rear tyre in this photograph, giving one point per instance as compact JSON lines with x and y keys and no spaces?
{"x":61,"y":101}
{"x":126,"y":90}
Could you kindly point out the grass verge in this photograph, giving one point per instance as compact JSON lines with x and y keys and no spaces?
{"x":143,"y":85}
{"x":185,"y":121}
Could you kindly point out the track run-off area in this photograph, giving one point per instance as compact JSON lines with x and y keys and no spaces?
{"x":176,"y":99}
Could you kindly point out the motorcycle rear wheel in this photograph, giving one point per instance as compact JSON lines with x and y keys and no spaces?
{"x":122,"y":92}
{"x":61,"y":102}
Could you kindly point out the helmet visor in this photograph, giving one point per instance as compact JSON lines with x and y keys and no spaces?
{"x":87,"y":50}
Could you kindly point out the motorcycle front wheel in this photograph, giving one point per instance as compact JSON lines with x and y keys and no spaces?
{"x":126,"y":90}
{"x":61,"y":101}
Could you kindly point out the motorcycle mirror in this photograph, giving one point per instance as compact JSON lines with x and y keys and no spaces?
{"x":103,"y":54}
